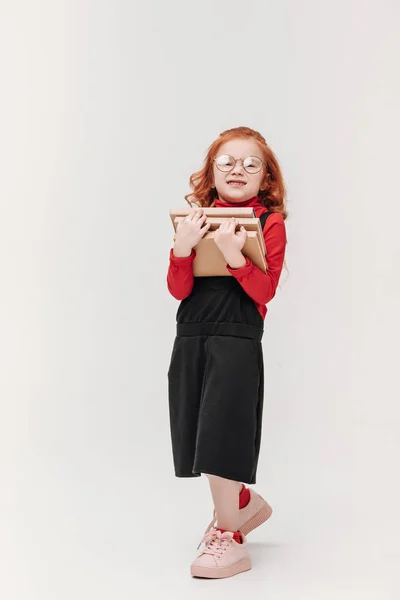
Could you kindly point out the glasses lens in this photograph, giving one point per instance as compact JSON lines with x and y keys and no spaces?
{"x":252,"y":164}
{"x":225,"y":162}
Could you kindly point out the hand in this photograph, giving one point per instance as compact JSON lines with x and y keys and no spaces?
{"x":231,"y":243}
{"x":189,"y":232}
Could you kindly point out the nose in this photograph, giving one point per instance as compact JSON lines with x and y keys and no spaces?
{"x":238,"y":168}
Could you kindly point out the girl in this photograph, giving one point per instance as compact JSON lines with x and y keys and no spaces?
{"x":216,"y":374}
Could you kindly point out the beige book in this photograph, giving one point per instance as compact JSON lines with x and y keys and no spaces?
{"x":241,"y":212}
{"x":250,"y":224}
{"x":210,"y":261}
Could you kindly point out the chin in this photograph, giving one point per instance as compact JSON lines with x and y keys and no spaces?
{"x":237,"y":197}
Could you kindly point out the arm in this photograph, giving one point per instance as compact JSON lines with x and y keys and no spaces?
{"x":180,"y":275}
{"x":261,"y":287}
{"x":189,"y":232}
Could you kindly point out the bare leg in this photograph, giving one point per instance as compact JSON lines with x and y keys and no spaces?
{"x":225,"y":493}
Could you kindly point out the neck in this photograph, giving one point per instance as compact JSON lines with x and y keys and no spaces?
{"x":250,"y":202}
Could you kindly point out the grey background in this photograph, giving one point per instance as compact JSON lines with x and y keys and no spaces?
{"x":91,"y":93}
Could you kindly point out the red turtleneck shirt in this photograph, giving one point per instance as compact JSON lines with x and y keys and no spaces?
{"x":261,"y":287}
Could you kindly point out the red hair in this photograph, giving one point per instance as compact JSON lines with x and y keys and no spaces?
{"x":273,"y":197}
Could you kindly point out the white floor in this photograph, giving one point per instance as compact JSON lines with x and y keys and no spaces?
{"x":82,"y":526}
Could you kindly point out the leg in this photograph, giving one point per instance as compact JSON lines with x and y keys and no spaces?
{"x":229,"y":419}
{"x":185,"y":377}
{"x":225,"y":493}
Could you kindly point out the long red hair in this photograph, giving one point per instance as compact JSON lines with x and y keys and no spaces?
{"x":274,"y":195}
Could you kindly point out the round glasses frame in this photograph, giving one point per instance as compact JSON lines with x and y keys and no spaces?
{"x":235,"y":160}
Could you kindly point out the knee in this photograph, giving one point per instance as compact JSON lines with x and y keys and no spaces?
{"x":222,"y":480}
{"x":214,"y":477}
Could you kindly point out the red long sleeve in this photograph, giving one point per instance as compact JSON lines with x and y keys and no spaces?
{"x":180,"y":275}
{"x":261,"y":287}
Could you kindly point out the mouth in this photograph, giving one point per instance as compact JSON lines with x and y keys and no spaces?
{"x":236,"y":183}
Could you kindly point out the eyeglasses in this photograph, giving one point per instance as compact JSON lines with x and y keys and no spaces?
{"x":251,"y":164}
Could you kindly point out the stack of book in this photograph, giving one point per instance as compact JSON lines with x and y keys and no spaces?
{"x":209,"y":259}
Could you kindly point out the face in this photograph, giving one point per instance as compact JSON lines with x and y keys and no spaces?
{"x":238,"y":185}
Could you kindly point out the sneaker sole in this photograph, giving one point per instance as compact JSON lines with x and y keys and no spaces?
{"x":218,"y":573}
{"x":262,"y":515}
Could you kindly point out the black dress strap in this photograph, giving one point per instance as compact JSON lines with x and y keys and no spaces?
{"x":263,"y":219}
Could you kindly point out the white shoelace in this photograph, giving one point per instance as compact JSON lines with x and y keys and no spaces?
{"x":216,"y":543}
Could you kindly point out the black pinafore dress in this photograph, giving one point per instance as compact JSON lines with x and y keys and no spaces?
{"x":216,"y":381}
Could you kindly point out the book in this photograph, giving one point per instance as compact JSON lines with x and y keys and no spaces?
{"x":249,"y":223}
{"x":241,"y":212}
{"x":209,"y":259}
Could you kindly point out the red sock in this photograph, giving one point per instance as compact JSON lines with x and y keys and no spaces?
{"x":244,"y":497}
{"x":237,"y":536}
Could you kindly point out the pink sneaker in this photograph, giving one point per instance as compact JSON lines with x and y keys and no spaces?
{"x":221,"y":557}
{"x":251,"y":516}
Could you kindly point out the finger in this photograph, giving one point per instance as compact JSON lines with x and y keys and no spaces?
{"x":231,"y":226}
{"x":225,"y":226}
{"x":202,"y":220}
{"x":197,"y":215}
{"x":242,"y":234}
{"x":192,"y":214}
{"x":204,"y":229}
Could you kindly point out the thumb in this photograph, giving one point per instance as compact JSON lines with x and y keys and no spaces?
{"x":242,"y":234}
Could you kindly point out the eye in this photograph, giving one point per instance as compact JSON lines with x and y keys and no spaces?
{"x":252,"y":164}
{"x":225,"y":160}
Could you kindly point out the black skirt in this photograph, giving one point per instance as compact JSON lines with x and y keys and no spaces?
{"x":216,"y":389}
